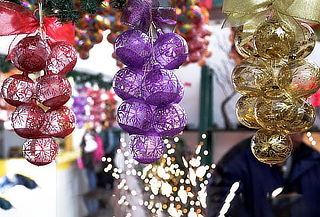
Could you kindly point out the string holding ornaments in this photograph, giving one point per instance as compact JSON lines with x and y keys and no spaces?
{"x":147,"y":85}
{"x":45,"y":51}
{"x":273,"y":78}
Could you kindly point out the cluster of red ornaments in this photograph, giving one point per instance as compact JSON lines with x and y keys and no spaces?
{"x":31,"y":120}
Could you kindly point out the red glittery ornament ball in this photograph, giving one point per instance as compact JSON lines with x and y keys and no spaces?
{"x":53,"y":90}
{"x":40,"y":152}
{"x":31,"y":54}
{"x":27,"y":120}
{"x":17,"y":90}
{"x":62,"y":59}
{"x":59,"y":122}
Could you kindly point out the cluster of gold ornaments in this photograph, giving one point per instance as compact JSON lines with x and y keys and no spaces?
{"x":275,"y":81}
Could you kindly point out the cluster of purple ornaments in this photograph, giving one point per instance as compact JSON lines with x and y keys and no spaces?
{"x":150,"y":90}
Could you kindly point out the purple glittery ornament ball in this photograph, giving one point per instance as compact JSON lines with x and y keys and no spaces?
{"x":169,"y":120}
{"x":160,"y":87}
{"x":134,"y":116}
{"x":133,"y":48}
{"x":127,"y":83}
{"x":170,"y":50}
{"x":146,"y":149}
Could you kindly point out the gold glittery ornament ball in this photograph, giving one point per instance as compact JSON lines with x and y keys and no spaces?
{"x":251,"y":76}
{"x":305,"y":118}
{"x":277,"y":114}
{"x":303,"y":47}
{"x":274,"y":39}
{"x":300,"y":78}
{"x":243,"y":42}
{"x":271,"y":147}
{"x":245,"y":112}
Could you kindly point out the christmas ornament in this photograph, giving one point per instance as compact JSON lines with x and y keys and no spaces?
{"x":62,"y":59}
{"x":31,"y":54}
{"x":274,"y":39}
{"x":27,"y":120}
{"x":146,"y":149}
{"x":147,"y":85}
{"x":59,"y":122}
{"x":134,"y":116}
{"x":251,"y":77}
{"x":302,"y":49}
{"x":169,"y":120}
{"x":160,"y":87}
{"x":278,"y":112}
{"x":275,"y":86}
{"x":80,"y":103}
{"x":53,"y":90}
{"x":245,"y":112}
{"x":133,"y":48}
{"x":271,"y":147}
{"x":40,"y":152}
{"x":193,"y":20}
{"x":127,"y":83}
{"x":90,"y":29}
{"x":18,"y":89}
{"x":170,"y":50}
{"x":300,"y":78}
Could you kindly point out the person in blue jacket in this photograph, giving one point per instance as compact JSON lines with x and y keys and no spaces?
{"x":288,"y":190}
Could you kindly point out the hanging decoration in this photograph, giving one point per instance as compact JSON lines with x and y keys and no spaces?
{"x":47,"y":52}
{"x":274,"y":78}
{"x":193,"y":20}
{"x":90,"y":29}
{"x":147,"y":85}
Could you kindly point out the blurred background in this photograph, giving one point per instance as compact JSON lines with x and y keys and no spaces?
{"x":94,"y":173}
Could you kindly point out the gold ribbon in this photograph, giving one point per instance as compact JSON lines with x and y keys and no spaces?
{"x":240,"y":11}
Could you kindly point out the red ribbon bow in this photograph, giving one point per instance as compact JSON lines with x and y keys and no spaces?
{"x":16,"y":19}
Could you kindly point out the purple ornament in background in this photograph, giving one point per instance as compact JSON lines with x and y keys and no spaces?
{"x":127,"y":83}
{"x":79,"y":108}
{"x":160,"y":87}
{"x":146,"y":149}
{"x":170,"y":50}
{"x":133,"y":48}
{"x":169,"y":120}
{"x":134,"y":116}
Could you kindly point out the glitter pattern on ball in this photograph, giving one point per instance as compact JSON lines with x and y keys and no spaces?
{"x":271,"y":147}
{"x":146,"y":149}
{"x":160,"y":87}
{"x":170,"y":50}
{"x":40,"y":152}
{"x":31,"y":54}
{"x":134,"y":116}
{"x":62,"y":59}
{"x":169,"y":120}
{"x":27,"y":120}
{"x":127,"y":83}
{"x":59,"y":122}
{"x":53,"y":90}
{"x":133,"y":48}
{"x":18,"y":89}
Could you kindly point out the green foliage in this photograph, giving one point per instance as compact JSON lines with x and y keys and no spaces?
{"x":63,"y":9}
{"x":68,"y":10}
{"x":5,"y":66}
{"x":82,"y":78}
{"x":118,"y":4}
